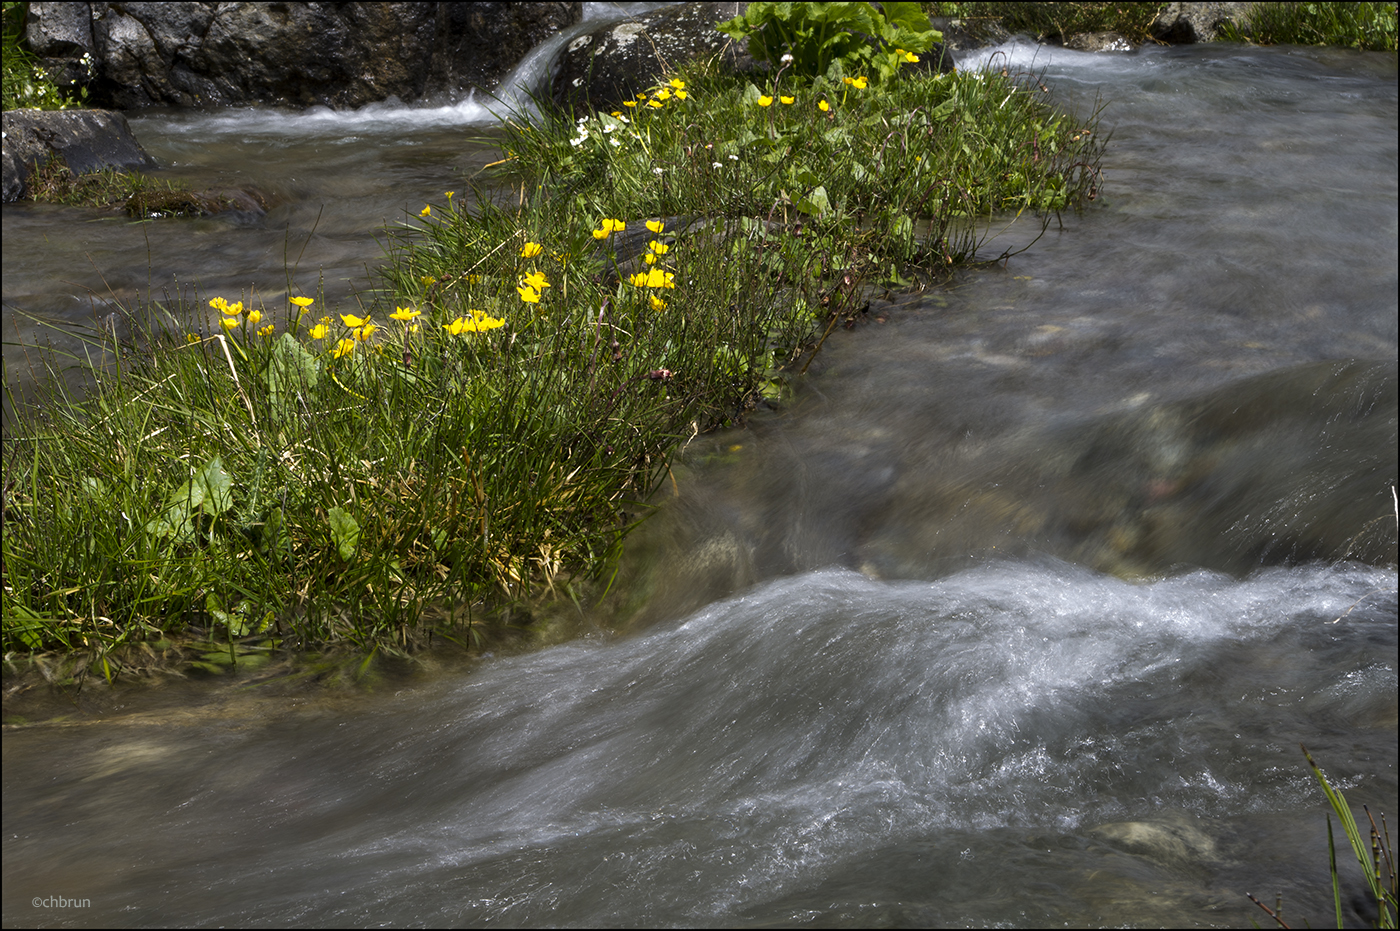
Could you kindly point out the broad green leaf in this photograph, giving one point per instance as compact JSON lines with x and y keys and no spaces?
{"x":816,"y":203}
{"x":345,"y":532}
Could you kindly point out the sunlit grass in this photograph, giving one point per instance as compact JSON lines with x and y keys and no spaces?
{"x":477,"y":436}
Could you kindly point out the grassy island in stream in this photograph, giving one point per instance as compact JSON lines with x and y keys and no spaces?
{"x":479,"y":439}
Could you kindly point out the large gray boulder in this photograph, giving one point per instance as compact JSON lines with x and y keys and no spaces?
{"x":289,"y":54}
{"x":1185,"y":23}
{"x":86,"y":140}
{"x":615,"y":61}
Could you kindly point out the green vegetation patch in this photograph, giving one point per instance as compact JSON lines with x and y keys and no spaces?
{"x":26,"y":86}
{"x":1367,"y":26}
{"x":476,"y":438}
{"x":1059,"y":21}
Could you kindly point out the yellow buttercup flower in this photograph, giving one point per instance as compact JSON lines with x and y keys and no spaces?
{"x":404,"y":313}
{"x":765,"y":101}
{"x":267,"y":330}
{"x":656,"y":226}
{"x":657,"y":303}
{"x":228,"y":323}
{"x":677,"y":83}
{"x":319,"y":331}
{"x":530,"y":250}
{"x":787,"y":100}
{"x":649,"y":259}
{"x":656,"y":278}
{"x":363,"y":333}
{"x":303,"y":302}
{"x":478,"y":322}
{"x":426,"y":211}
{"x":681,"y":95}
{"x":659,"y":247}
{"x":629,"y":103}
{"x":907,"y":56}
{"x":528,"y":294}
{"x":341,"y":348}
{"x":655,"y":104}
{"x":536,"y":280}
{"x":254,"y":316}
{"x":352,"y":321}
{"x":663,"y":94}
{"x":823,"y":106}
{"x":449,"y":197}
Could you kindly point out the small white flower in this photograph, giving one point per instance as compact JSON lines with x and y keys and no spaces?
{"x":656,"y":171}
{"x":615,"y":142}
{"x":787,"y":59}
{"x":579,"y":141}
{"x":716,"y":165}
{"x":734,"y":158}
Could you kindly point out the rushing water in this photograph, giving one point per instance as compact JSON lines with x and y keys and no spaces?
{"x":926,"y":648}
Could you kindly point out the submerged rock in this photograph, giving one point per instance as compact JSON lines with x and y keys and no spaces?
{"x":1285,"y":467}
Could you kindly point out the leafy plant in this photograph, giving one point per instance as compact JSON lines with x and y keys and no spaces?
{"x":812,"y":37}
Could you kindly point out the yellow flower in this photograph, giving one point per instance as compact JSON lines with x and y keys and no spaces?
{"x":649,"y":259}
{"x":191,"y":337}
{"x":228,"y":323}
{"x":478,"y":323}
{"x":907,"y":56}
{"x":657,"y":303}
{"x":859,"y":83}
{"x":536,"y":280}
{"x":655,"y":278}
{"x":404,"y":313}
{"x":608,"y":228}
{"x":235,"y":308}
{"x":528,"y":295}
{"x":363,"y":333}
{"x":530,"y":250}
{"x":681,"y":95}
{"x":656,"y":226}
{"x":426,"y":211}
{"x":823,"y":106}
{"x":303,"y":302}
{"x":615,"y":114}
{"x":660,"y":248}
{"x":218,"y":303}
{"x":787,"y":100}
{"x":428,"y":280}
{"x":629,"y":103}
{"x":267,"y":330}
{"x":677,"y":83}
{"x":663,"y":94}
{"x":641,"y":96}
{"x":352,"y":321}
{"x":449,"y":197}
{"x":655,"y":103}
{"x":319,"y":331}
{"x":765,"y":101}
{"x":341,"y":348}
{"x":254,"y":316}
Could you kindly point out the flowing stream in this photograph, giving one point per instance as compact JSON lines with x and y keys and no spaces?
{"x":1016,"y":615}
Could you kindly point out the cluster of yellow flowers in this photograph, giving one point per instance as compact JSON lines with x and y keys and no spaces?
{"x":673,"y":88}
{"x":233,"y":312}
{"x":654,"y":277}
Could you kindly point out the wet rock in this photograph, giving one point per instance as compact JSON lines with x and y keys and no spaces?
{"x":1098,"y":42}
{"x":155,"y":204}
{"x":614,"y":62}
{"x":87,"y":140}
{"x":963,"y":34}
{"x":1184,"y":23}
{"x":600,"y":68}
{"x":291,"y":54}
